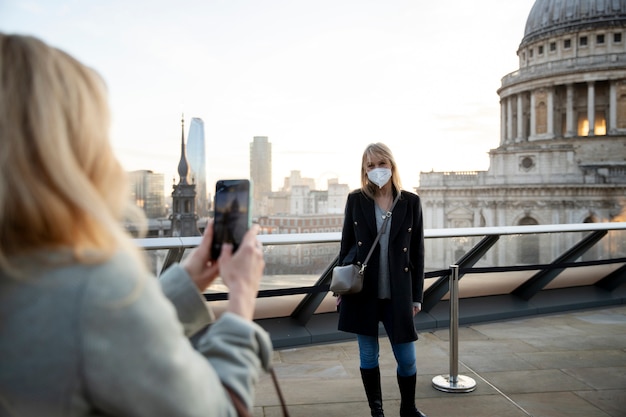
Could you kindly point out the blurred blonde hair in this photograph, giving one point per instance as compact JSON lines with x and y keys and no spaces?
{"x":61,"y":185}
{"x":372,"y":151}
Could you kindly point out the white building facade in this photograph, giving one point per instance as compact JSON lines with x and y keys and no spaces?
{"x":562,"y":151}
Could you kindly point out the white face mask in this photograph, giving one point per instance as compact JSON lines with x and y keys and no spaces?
{"x":379,"y":176}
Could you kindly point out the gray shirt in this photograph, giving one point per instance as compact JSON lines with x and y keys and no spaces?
{"x":103,"y":340}
{"x":384,"y":282}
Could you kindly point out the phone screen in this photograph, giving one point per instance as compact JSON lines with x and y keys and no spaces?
{"x":232,"y":214}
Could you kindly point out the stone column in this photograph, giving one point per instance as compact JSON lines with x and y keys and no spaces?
{"x":502,"y":121}
{"x":591,"y":107}
{"x":533,"y":121}
{"x":551,"y":112}
{"x":612,"y":108}
{"x":520,"y":118}
{"x":569,"y":113}
{"x":509,"y":119}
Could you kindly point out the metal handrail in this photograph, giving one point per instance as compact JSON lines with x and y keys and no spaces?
{"x":333,"y":237}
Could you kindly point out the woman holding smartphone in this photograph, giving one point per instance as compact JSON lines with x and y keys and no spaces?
{"x":85,"y":329}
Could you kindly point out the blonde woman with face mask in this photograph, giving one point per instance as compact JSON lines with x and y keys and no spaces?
{"x":394,"y":278}
{"x":85,"y":329}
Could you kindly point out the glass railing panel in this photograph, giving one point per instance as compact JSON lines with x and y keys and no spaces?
{"x":611,"y":246}
{"x":503,"y":252}
{"x":581,"y":276}
{"x":287,"y":267}
{"x":495,"y":283}
{"x":440,"y":253}
{"x":156,"y":259}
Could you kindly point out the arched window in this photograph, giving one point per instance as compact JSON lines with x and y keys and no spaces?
{"x":542,"y":118}
{"x":541,"y":112}
{"x":529,"y":244}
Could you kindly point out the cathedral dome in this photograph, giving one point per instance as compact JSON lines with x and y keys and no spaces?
{"x":558,"y":17}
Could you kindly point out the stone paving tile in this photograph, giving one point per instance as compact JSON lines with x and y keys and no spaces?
{"x":527,"y":329}
{"x":494,"y":346}
{"x":575,"y":359}
{"x":612,"y":402}
{"x":542,"y":380}
{"x":606,"y":341}
{"x":328,"y":352}
{"x":557,"y":404}
{"x":465,"y":333}
{"x":609,"y":378}
{"x":470,"y":405}
{"x":320,"y":409}
{"x":496,"y":362}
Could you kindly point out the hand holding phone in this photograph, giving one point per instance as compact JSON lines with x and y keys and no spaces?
{"x":232,"y":214}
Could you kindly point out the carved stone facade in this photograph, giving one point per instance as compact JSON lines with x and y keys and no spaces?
{"x":562,"y":152}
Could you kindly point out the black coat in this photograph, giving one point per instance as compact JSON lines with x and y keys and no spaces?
{"x":358,"y":312}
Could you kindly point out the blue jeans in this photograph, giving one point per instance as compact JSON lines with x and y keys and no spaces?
{"x":403,"y":352}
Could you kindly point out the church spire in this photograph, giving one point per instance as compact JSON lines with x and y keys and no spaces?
{"x":183,"y":166}
{"x":184,"y":218}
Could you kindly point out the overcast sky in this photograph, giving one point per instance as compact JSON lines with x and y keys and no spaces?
{"x":320,"y":78}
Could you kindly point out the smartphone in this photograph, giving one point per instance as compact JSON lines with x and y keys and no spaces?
{"x":232,"y":213}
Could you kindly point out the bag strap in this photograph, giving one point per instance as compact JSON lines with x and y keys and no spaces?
{"x":380,"y":232}
{"x":283,"y":405}
{"x":242,"y":410}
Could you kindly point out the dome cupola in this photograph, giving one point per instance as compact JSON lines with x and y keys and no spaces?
{"x":551,"y":18}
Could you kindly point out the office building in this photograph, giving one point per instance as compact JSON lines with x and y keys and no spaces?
{"x":196,"y":156}
{"x":146,"y":188}
{"x":260,"y":173}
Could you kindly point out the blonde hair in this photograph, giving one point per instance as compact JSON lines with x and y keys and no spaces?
{"x":61,"y":185}
{"x":372,"y":151}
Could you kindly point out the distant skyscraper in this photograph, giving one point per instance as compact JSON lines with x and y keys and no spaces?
{"x":147,"y":192}
{"x":196,"y":155}
{"x":260,"y":172}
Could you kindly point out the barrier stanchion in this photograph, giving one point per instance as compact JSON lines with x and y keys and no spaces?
{"x":454,"y":382}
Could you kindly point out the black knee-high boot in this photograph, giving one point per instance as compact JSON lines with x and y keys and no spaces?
{"x":371,"y":383}
{"x":407,"y":396}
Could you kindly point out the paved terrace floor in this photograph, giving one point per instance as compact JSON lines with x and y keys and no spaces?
{"x":566,"y":364}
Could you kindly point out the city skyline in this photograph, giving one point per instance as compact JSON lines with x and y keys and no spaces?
{"x":320,"y":79}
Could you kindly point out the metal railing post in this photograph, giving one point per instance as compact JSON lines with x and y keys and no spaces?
{"x":453,"y":382}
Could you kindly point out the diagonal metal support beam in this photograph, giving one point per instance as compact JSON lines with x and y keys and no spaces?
{"x":538,"y":281}
{"x":309,"y":304}
{"x":613,"y":280}
{"x":435,"y":292}
{"x":174,"y":255}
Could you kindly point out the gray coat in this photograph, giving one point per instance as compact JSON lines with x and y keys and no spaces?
{"x":357,"y":312}
{"x":103,"y":340}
